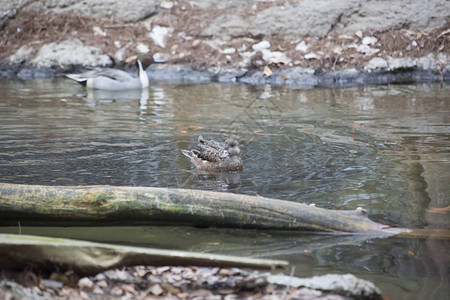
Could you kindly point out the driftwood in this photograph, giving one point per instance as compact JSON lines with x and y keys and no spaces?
{"x":108,"y":205}
{"x":86,"y":258}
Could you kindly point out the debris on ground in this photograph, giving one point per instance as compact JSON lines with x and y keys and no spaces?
{"x":183,"y":283}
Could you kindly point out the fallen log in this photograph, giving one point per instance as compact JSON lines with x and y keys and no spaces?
{"x":107,"y":205}
{"x":87,"y":258}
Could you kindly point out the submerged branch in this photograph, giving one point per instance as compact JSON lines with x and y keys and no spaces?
{"x":87,"y":258}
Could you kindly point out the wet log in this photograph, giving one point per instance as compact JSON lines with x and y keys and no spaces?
{"x":87,"y":258}
{"x":108,"y":205}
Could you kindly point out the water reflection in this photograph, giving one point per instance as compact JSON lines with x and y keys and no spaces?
{"x":383,"y":148}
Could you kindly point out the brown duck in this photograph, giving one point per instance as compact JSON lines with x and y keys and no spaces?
{"x":212,"y":156}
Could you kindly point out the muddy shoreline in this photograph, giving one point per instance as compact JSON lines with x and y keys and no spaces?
{"x":299,"y":44}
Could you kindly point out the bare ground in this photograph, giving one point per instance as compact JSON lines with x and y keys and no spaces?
{"x":335,"y":52}
{"x":160,"y":283}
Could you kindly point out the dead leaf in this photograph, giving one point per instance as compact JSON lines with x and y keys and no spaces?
{"x":212,"y":243}
{"x":267,"y":71}
{"x":411,"y":253}
{"x":192,"y":127}
{"x":169,"y":288}
{"x":439,"y":210}
{"x":128,"y":288}
{"x":183,"y":295}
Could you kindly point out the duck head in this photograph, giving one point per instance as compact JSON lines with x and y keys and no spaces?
{"x":232,"y":147}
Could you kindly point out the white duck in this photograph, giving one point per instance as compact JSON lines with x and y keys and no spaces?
{"x":114,"y":79}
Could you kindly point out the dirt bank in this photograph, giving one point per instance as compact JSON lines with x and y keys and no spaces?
{"x":254,"y":41}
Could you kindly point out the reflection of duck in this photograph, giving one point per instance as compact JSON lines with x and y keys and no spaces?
{"x":114,"y":79}
{"x":212,"y":156}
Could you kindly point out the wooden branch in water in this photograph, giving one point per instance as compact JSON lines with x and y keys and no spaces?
{"x":87,"y":258}
{"x":107,"y":205}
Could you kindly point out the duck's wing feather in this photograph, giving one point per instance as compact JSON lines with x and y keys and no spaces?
{"x":211,"y":154}
{"x":211,"y":143}
{"x":114,"y":74}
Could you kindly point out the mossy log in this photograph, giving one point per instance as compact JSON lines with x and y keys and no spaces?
{"x":87,"y":258}
{"x":107,"y":205}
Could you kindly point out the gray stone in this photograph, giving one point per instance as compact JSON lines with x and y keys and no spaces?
{"x":302,"y":46}
{"x":227,"y":28}
{"x":376,"y":63}
{"x":344,"y":284}
{"x":401,"y":63}
{"x":428,"y":62}
{"x":320,"y":17}
{"x":69,"y":52}
{"x":306,"y":18}
{"x":396,"y":14}
{"x":126,"y":10}
{"x":23,"y":54}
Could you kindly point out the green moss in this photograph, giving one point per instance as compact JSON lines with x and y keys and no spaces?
{"x":33,"y":238}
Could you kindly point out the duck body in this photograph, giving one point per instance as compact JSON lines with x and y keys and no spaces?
{"x":212,"y":156}
{"x":114,"y":79}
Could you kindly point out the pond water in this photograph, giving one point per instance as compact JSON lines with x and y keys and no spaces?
{"x":383,"y":148}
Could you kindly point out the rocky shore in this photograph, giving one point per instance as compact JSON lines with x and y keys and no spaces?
{"x":184,"y":283}
{"x":295,"y":43}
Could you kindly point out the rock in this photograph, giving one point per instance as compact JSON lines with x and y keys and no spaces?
{"x":101,"y":284}
{"x":403,"y":63}
{"x":305,"y":18}
{"x":98,"y":291}
{"x":156,"y":290}
{"x":85,"y":284}
{"x":159,"y":35}
{"x":161,"y":56}
{"x":429,"y":62}
{"x":69,"y":52}
{"x":51,"y":284}
{"x":166,"y":4}
{"x":142,"y":48}
{"x":369,"y":40}
{"x":382,"y":15}
{"x":311,"y":55}
{"x":364,"y":49}
{"x":23,"y":54}
{"x":261,"y":46}
{"x":376,"y":63}
{"x":126,"y":10}
{"x":302,"y":46}
{"x":98,"y":31}
{"x":346,"y":284}
{"x":275,"y":57}
{"x":230,"y":50}
{"x":227,"y":28}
